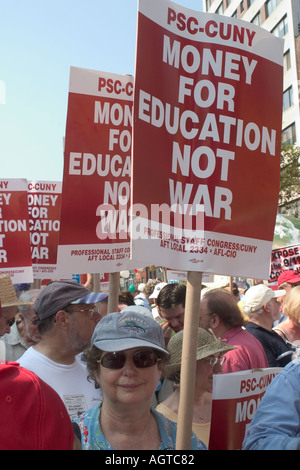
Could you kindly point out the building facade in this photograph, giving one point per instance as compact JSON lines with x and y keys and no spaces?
{"x":281,"y":18}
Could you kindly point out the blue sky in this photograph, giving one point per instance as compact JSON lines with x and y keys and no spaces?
{"x":39,"y":41}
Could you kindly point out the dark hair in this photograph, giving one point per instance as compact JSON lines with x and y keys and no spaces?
{"x":223,"y":303}
{"x":92,"y":357}
{"x":171,"y":295}
{"x":126,"y":297}
{"x":45,"y":325}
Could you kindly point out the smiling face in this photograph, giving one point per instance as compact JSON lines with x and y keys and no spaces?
{"x":129,"y":384}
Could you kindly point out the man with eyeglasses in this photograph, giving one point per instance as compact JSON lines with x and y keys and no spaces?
{"x":24,"y":332}
{"x":67,"y":318}
{"x":220,"y":313}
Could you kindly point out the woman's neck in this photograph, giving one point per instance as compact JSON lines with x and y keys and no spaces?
{"x":202,"y":407}
{"x":291,"y":329}
{"x":129,"y":427}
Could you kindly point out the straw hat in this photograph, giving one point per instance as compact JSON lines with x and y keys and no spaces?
{"x":8,"y":296}
{"x":207,"y":345}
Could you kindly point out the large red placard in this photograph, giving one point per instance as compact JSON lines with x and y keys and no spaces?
{"x":206,"y":140}
{"x":94,"y":234}
{"x":15,"y":252}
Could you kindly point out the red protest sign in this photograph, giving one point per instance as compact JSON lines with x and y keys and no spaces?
{"x":236,"y":397}
{"x":284,"y":259}
{"x":44,"y":201}
{"x":97,"y":172}
{"x":207,"y":132}
{"x":104,"y":281}
{"x":15,"y":253}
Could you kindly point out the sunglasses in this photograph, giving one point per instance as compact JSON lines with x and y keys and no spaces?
{"x":117,"y":360}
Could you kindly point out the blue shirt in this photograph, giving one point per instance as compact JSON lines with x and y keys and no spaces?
{"x":142,"y":301}
{"x":276,"y":423}
{"x":92,"y":437}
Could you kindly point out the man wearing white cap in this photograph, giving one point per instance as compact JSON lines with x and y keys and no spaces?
{"x":262,"y":308}
{"x":67,"y":319}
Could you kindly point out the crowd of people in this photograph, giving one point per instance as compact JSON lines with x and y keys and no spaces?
{"x":99,"y":380}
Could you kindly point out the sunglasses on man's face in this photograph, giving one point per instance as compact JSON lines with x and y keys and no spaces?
{"x":117,"y":360}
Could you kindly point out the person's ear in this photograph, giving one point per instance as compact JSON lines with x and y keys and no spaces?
{"x":214,"y":320}
{"x":267,"y":307}
{"x":63,"y":319}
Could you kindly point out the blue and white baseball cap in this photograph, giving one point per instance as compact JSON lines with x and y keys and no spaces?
{"x":126,"y":330}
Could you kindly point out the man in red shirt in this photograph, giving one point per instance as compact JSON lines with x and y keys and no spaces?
{"x":220,"y":313}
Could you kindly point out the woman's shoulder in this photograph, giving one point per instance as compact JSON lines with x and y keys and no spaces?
{"x":168,"y":432}
{"x":92,"y":437}
{"x":89,"y":415}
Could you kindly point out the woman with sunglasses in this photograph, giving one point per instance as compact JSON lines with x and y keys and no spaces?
{"x":125,"y":361}
{"x":210,"y":358}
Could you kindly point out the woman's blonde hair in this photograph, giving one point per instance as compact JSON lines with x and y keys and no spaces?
{"x":291,"y":304}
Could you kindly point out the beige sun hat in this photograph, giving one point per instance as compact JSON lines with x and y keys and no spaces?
{"x":8,"y":296}
{"x":207,"y":345}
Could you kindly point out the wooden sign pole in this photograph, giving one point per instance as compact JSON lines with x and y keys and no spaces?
{"x":188,"y":363}
{"x":96,"y":280}
{"x":113,"y":292}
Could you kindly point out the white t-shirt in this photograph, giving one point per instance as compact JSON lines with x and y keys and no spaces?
{"x":69,"y":381}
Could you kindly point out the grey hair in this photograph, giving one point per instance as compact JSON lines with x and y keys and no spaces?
{"x":28,"y":296}
{"x":251,"y":313}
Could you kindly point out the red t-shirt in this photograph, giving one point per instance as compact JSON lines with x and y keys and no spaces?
{"x":248,"y":355}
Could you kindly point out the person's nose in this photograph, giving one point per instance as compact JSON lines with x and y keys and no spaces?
{"x":7,"y":329}
{"x":129,"y":368}
{"x":175,"y":325}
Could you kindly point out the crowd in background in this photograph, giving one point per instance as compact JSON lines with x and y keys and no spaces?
{"x":115,"y":377}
